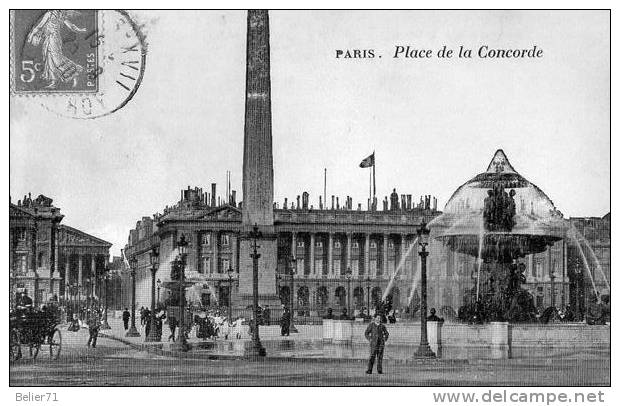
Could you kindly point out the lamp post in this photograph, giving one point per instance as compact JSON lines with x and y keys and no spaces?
{"x":424,"y":350}
{"x":133,"y":331}
{"x":230,"y":272}
{"x":79,"y":300}
{"x":153,"y":336}
{"x":258,"y":350}
{"x":292,"y":270}
{"x":106,"y":278}
{"x":182,"y":244}
{"x":158,"y":288}
{"x":348,"y":276}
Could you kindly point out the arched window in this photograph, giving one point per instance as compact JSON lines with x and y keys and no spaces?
{"x":303,"y":297}
{"x":285,"y":295}
{"x":322,"y":296}
{"x":341,"y":296}
{"x":358,"y":297}
{"x":375,"y":296}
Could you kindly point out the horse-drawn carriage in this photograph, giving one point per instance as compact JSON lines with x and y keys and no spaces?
{"x":31,"y":328}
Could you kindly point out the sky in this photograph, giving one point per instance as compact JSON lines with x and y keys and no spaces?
{"x":433,"y":123}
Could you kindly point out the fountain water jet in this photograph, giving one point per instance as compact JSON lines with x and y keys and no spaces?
{"x":401,"y":264}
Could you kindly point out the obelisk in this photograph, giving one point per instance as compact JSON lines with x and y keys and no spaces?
{"x":257,"y":206}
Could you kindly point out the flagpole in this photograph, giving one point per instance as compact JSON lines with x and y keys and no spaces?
{"x":374,"y":180}
{"x":325,"y":188}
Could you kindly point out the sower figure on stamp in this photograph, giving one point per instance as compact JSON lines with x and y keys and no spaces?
{"x":377,"y":335}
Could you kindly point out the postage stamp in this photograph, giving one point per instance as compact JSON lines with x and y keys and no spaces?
{"x":55,"y":51}
{"x":76,"y":63}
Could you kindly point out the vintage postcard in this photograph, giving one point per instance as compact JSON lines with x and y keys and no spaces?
{"x":311,"y":198}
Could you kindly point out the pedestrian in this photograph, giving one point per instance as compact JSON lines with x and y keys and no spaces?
{"x":126,"y":316}
{"x":285,"y":322}
{"x":238,"y":327}
{"x":94,"y":324}
{"x":377,"y":335}
{"x":172,"y":324}
{"x":74,"y":324}
{"x":142,"y":310}
{"x":433,"y":316}
{"x":225,"y":328}
{"x":266,"y":316}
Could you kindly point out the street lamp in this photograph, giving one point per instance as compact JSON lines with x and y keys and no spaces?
{"x":230,"y":272}
{"x":182,"y":245}
{"x":106,"y":278}
{"x":293,"y":266}
{"x":348,"y":275}
{"x":424,"y":350}
{"x":133,"y":331}
{"x":153,"y":336}
{"x":258,"y":349}
{"x":158,"y":288}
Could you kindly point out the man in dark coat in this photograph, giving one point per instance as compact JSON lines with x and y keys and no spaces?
{"x":377,"y":335}
{"x":126,"y":316}
{"x":285,"y":322}
{"x":266,"y":316}
{"x":94,"y":324}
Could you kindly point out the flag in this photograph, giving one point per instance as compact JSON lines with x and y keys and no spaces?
{"x":368,"y":161}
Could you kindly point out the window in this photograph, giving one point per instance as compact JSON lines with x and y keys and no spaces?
{"x":300,"y":244}
{"x":206,"y":239}
{"x":538,"y":268}
{"x":373,"y":267}
{"x":373,"y":244}
{"x":225,"y":265}
{"x":318,"y":266}
{"x":225,"y":240}
{"x":21,"y":234}
{"x":336,"y":268}
{"x":206,"y":265}
{"x":355,"y":244}
{"x":337,"y":244}
{"x":318,"y":244}
{"x":391,"y":244}
{"x":355,"y":266}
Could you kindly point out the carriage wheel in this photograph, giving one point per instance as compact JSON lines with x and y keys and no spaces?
{"x":15,"y":349}
{"x":55,"y":342}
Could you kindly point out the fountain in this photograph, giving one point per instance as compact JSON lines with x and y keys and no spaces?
{"x":499,"y":217}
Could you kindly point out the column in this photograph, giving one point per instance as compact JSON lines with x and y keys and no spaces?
{"x":294,"y":246}
{"x":67,"y":278}
{"x":384,"y":258}
{"x":401,"y":253}
{"x":348,"y":261}
{"x":234,"y":240}
{"x":33,"y":249}
{"x":198,"y":252}
{"x":93,"y":274}
{"x":312,"y":255}
{"x":367,"y":255}
{"x":56,"y":261}
{"x":215,"y":242}
{"x":79,"y":269}
{"x":330,"y":255}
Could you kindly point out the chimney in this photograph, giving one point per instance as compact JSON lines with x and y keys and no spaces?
{"x":297,"y":202}
{"x":338,"y":203}
{"x":332,"y":202}
{"x":403,"y":202}
{"x":320,"y":202}
{"x":385,"y":204}
{"x":213,"y":194}
{"x":359,"y":207}
{"x":408,"y":202}
{"x":286,"y":203}
{"x":234,"y":198}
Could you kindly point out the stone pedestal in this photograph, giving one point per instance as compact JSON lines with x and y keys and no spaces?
{"x":267,"y":263}
{"x":434,"y":336}
{"x":328,"y":330}
{"x":342,"y":331}
{"x":500,"y":338}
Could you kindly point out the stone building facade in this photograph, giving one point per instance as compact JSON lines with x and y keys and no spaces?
{"x":325,"y":243}
{"x":48,"y":258}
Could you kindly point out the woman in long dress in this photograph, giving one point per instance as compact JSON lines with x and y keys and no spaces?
{"x":48,"y":32}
